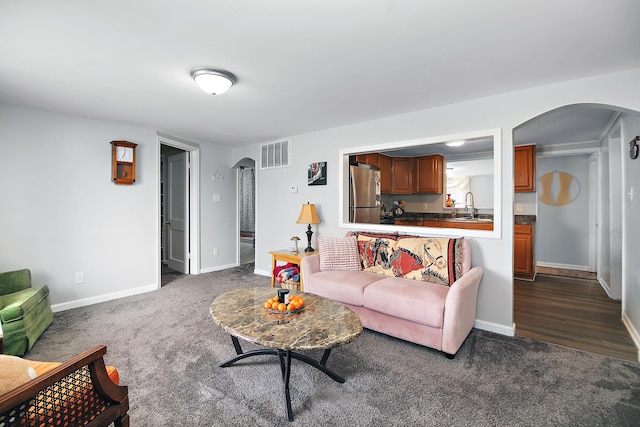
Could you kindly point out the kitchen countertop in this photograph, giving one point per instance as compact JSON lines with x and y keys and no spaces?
{"x":416,"y":217}
{"x":525,"y":219}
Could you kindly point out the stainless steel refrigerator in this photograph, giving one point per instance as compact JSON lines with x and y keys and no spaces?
{"x":364,"y":194}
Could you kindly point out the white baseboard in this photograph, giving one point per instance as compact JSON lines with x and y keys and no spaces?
{"x":562,"y":266}
{"x":102,"y":298}
{"x":604,"y":285}
{"x":635,"y":336}
{"x":217,"y":268}
{"x":494,"y":327}
{"x":262,"y":272}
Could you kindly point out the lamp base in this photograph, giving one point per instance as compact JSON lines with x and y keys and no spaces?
{"x":309,"y":234}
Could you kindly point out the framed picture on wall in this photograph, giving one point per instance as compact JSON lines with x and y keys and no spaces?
{"x":317,"y":173}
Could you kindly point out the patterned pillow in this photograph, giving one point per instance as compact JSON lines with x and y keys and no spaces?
{"x":339,"y":253}
{"x":431,"y":259}
{"x":375,"y":251}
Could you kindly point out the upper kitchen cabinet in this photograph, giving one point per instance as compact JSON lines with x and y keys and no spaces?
{"x":381,"y":161}
{"x":368,"y":158}
{"x":384,"y":163}
{"x":524,"y":168}
{"x":402,"y":175}
{"x":429,"y":174}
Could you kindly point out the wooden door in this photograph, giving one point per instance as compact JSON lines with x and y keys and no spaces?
{"x":429,"y":174}
{"x":402,"y":169}
{"x":524,"y":168}
{"x":384,"y":163}
{"x":523,"y":250}
{"x":177,"y":213}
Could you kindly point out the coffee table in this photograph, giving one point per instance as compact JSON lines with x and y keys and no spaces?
{"x":321,"y":325}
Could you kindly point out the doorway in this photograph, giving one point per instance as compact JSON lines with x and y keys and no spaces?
{"x":246,"y":210}
{"x":583,"y":238}
{"x":178,"y":209}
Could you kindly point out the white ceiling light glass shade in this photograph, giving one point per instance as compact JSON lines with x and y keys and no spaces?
{"x":455,"y":143}
{"x":213,"y":81}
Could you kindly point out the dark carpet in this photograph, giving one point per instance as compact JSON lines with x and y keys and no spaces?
{"x":168,"y":349}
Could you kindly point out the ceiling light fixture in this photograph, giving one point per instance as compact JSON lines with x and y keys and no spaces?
{"x":213,"y":81}
{"x":455,"y":143}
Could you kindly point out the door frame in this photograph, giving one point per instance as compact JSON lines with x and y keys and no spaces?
{"x":194,"y":200}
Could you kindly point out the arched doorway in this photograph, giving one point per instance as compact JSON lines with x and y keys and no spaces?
{"x":587,"y":231}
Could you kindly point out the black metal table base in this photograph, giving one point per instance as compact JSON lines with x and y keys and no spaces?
{"x":285,"y":357}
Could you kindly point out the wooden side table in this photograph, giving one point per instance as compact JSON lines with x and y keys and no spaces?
{"x":285,"y":255}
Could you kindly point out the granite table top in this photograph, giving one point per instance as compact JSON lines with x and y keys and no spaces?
{"x":321,"y":324}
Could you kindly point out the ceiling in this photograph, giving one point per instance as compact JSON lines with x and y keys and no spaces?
{"x":303,"y":66}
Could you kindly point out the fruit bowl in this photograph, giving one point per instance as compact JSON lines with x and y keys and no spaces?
{"x":271,"y":310}
{"x":294,"y":305}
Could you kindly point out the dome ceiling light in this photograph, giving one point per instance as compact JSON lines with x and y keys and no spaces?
{"x":213,"y":81}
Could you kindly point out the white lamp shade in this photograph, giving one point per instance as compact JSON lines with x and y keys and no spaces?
{"x":213,"y":82}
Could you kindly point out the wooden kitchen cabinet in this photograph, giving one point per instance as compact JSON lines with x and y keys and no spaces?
{"x":467,"y":225}
{"x":402,"y":175}
{"x":430,"y":223}
{"x":523,"y":238}
{"x":524,"y":168}
{"x":384,"y":163}
{"x":369,"y":158}
{"x":429,"y":174}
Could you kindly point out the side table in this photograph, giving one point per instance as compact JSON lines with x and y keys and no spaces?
{"x":285,"y":255}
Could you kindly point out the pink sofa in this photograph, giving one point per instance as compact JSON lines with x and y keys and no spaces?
{"x":426,"y":313}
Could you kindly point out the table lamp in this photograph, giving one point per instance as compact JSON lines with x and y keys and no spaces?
{"x":309,"y":216}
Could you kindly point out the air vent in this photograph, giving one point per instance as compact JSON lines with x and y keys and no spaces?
{"x":275,"y":155}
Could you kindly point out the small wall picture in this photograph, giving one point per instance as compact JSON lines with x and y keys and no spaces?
{"x":317,"y":174}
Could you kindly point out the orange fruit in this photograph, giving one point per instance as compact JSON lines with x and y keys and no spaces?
{"x":282,"y":306}
{"x":296,"y":305}
{"x":274,"y":305}
{"x":267,"y":304}
{"x":301,"y":301}
{"x":291,"y":306}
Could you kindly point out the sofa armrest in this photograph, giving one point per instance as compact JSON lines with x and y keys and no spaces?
{"x":460,"y":310}
{"x":80,"y":389}
{"x":14,"y":281}
{"x":310,"y":265}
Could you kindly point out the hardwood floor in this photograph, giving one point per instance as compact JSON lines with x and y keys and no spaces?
{"x":572,"y":312}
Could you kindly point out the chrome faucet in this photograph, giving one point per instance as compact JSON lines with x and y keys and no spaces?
{"x":470,"y":207}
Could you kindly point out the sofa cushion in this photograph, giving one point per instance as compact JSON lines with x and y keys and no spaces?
{"x":375,"y":250}
{"x":17,"y":304}
{"x":408,"y":299}
{"x":430,"y":259}
{"x":339,"y":253}
{"x":344,"y":286}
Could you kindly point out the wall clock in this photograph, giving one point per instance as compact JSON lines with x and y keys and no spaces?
{"x":123,"y":162}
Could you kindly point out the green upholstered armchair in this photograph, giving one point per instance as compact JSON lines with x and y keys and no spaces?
{"x":25,"y":311}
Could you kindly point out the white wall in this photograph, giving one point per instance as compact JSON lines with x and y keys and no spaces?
{"x":278,"y":208}
{"x":218,"y":221}
{"x":61,"y":214}
{"x":631,"y":227}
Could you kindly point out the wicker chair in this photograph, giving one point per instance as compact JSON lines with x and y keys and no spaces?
{"x":76,"y":393}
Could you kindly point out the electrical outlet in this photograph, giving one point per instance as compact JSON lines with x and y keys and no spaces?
{"x":425,"y":206}
{"x":216,"y":197}
{"x":293,"y":189}
{"x":216,"y":251}
{"x":518,"y":207}
{"x":80,"y":277}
